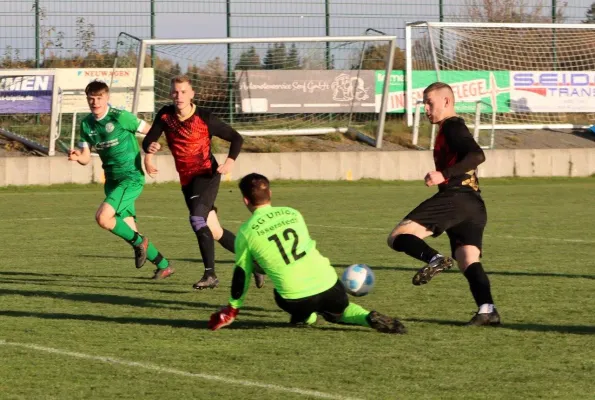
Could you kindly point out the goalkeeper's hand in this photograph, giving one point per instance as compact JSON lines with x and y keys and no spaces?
{"x":225,"y":316}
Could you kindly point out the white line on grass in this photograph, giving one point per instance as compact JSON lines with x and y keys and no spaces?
{"x":157,"y":368}
{"x":360,"y":228}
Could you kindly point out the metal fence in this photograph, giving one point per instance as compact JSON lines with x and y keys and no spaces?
{"x":82,"y":33}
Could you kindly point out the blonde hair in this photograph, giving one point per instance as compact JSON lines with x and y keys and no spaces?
{"x":181,"y":79}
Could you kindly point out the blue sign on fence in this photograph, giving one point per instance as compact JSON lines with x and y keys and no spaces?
{"x":26,"y":94}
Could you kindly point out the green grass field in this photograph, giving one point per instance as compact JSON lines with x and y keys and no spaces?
{"x":78,"y":321}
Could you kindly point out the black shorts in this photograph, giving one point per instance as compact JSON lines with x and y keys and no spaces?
{"x":330,"y":304}
{"x":462,"y":215}
{"x":200,"y":194}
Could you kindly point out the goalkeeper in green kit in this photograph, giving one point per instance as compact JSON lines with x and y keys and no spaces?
{"x":112,"y":133}
{"x":306,"y":285}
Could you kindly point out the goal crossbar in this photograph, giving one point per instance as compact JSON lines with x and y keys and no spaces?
{"x":515,"y":25}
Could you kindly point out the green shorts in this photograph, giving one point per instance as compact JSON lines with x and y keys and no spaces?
{"x":122,"y":194}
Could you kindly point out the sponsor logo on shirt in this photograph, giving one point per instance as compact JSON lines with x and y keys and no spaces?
{"x":108,"y":144}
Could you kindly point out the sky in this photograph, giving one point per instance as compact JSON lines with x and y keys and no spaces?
{"x":206,"y":18}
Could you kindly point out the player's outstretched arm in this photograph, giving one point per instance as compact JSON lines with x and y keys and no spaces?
{"x":82,"y":156}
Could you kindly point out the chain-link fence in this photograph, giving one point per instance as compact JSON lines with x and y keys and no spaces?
{"x":83,"y":33}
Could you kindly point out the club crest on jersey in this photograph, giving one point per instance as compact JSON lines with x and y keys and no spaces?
{"x":109,"y":127}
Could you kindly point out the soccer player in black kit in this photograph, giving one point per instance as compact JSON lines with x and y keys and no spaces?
{"x":456,"y":209}
{"x":188,"y":130}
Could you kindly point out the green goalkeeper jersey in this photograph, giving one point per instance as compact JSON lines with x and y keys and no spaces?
{"x":113,"y":137}
{"x":277,"y":238}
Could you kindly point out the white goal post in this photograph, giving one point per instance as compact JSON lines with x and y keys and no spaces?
{"x":506,"y":75}
{"x":278,"y":85}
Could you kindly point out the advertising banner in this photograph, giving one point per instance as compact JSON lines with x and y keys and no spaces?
{"x":553,"y":91}
{"x":72,"y":82}
{"x":305,"y":91}
{"x":25,"y":94}
{"x":491,"y":88}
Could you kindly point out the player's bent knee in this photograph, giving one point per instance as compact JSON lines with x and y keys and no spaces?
{"x":390,"y":240}
{"x":105,"y":220}
{"x":393,"y":239}
{"x":197,"y":223}
{"x":409,"y":227}
{"x":467,"y":255}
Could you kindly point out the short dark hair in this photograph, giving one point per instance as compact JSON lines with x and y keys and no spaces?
{"x":96,"y":87}
{"x":256,"y":188}
{"x":437,"y":86}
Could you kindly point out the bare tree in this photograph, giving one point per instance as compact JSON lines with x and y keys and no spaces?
{"x":511,"y":11}
{"x":508,"y":48}
{"x":50,"y":38}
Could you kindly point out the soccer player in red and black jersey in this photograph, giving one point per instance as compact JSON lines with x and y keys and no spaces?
{"x":188,"y":130}
{"x":456,"y":209}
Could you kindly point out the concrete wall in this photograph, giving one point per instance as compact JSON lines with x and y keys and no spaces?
{"x":389,"y":165}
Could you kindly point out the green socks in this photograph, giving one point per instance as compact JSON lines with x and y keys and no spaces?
{"x":355,"y":315}
{"x":156,"y":258}
{"x":125,"y":232}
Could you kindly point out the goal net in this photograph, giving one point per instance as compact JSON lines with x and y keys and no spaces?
{"x":506,"y":76}
{"x":275,"y":86}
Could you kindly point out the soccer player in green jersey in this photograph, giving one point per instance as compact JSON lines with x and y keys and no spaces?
{"x":306,"y":284}
{"x":112,"y":133}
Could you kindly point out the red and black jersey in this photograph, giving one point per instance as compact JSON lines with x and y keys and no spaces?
{"x":457,"y":155}
{"x":190,"y":140}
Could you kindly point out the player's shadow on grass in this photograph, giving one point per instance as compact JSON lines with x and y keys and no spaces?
{"x":54,"y":283}
{"x":190,"y":260}
{"x":119,"y":300}
{"x":175,"y":323}
{"x":455,"y":270}
{"x":145,"y":279}
{"x":569,"y":329}
{"x":254,"y":324}
{"x":20,"y":273}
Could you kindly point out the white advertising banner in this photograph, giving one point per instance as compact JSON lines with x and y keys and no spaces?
{"x":72,"y":83}
{"x":305,"y":91}
{"x":552,"y":91}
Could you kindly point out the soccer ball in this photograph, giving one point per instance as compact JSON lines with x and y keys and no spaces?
{"x":358,"y":279}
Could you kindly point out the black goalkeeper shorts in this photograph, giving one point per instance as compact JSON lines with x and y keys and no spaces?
{"x":330,"y":304}
{"x":462,"y":215}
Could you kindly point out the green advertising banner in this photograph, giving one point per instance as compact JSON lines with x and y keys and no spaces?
{"x":491,"y":88}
